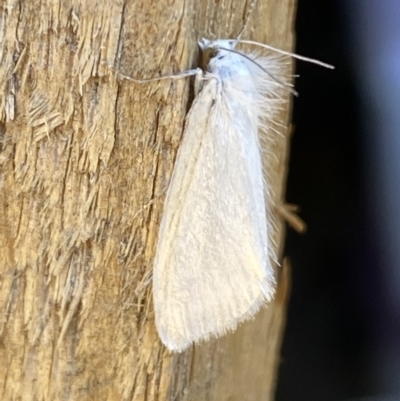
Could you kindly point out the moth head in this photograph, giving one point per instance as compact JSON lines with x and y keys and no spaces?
{"x":210,"y":49}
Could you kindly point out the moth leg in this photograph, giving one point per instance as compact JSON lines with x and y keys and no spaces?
{"x":288,"y":212}
{"x":198,"y":82}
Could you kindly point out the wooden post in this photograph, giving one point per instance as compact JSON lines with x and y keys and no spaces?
{"x":85,"y":160}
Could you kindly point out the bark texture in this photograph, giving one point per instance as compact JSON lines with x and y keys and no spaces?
{"x":85,"y":160}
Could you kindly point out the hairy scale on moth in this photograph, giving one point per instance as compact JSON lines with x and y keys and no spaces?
{"x":213,"y":264}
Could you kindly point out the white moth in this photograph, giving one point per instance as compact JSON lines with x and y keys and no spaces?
{"x":212,"y":268}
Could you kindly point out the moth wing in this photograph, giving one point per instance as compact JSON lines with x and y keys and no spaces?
{"x":212,"y":269}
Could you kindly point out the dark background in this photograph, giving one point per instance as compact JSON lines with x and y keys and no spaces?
{"x":342,"y":338}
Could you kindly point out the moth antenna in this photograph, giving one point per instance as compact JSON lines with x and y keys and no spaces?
{"x":178,"y":75}
{"x":294,"y":55}
{"x":291,"y":90}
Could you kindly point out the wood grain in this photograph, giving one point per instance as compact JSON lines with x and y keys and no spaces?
{"x":85,"y":160}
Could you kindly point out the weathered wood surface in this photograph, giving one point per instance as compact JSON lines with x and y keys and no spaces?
{"x":85,"y":159}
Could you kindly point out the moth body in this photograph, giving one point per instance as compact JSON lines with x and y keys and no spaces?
{"x":213,"y":267}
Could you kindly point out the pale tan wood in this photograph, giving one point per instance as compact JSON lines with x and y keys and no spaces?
{"x":85,"y":159}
